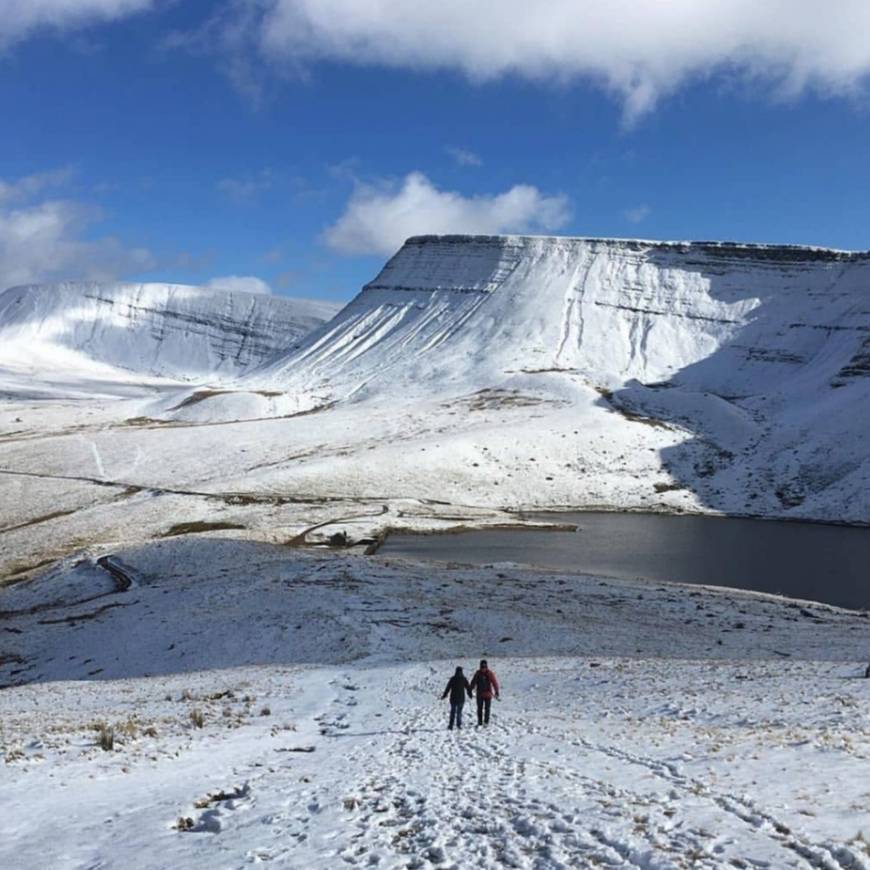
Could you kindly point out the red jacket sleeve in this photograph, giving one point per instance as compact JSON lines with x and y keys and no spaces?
{"x":494,"y":682}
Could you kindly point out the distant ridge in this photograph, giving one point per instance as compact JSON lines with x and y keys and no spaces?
{"x":125,"y":331}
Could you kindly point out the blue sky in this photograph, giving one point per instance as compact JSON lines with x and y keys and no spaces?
{"x":176,"y":141}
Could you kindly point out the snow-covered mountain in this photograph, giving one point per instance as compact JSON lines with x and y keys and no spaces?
{"x":753,"y":359}
{"x":124,"y":332}
{"x":453,"y":309}
{"x":228,"y":703}
{"x":473,"y":376}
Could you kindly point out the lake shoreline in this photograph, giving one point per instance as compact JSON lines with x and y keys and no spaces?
{"x":806,"y":561}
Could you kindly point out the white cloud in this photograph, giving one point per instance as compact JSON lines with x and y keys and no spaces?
{"x":231,"y":35}
{"x":637,"y":214}
{"x":245,"y":283}
{"x":246,"y":188}
{"x":30,"y":185}
{"x":638,"y":49}
{"x":47,"y":240}
{"x":378,"y":219}
{"x":22,"y":18}
{"x":44,"y":242}
{"x":464,"y":157}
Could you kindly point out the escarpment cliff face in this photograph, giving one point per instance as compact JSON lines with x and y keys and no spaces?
{"x":128,"y":331}
{"x":479,"y":307}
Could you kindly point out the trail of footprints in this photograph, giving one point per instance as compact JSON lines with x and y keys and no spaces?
{"x":480,"y":805}
{"x":334,"y":722}
{"x":815,"y":855}
{"x":475,"y":809}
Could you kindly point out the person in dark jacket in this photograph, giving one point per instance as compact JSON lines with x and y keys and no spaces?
{"x":485,"y":687}
{"x":457,"y":686}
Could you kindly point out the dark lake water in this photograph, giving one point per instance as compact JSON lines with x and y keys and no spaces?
{"x":801,"y":560}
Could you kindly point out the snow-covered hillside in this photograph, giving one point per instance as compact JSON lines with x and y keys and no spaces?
{"x":475,"y":376}
{"x":257,"y":704}
{"x":71,"y":336}
{"x":730,"y":377}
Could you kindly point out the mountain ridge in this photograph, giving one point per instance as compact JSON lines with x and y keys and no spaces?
{"x":118,"y":331}
{"x":741,"y":367}
{"x":709,"y":245}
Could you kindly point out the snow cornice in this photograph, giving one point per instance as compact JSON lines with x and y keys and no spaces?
{"x":714,"y":248}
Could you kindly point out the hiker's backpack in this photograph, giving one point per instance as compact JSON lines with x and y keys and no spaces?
{"x":483,"y":683}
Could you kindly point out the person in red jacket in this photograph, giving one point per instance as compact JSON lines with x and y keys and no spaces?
{"x":485,"y":687}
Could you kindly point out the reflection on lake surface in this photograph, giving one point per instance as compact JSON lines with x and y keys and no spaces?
{"x":800,"y":560}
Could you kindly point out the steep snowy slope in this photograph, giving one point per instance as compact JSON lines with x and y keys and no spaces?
{"x":474,"y":308}
{"x":129,"y":332}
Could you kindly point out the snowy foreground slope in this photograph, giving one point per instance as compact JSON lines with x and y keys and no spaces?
{"x":641,"y":725}
{"x":80,"y":339}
